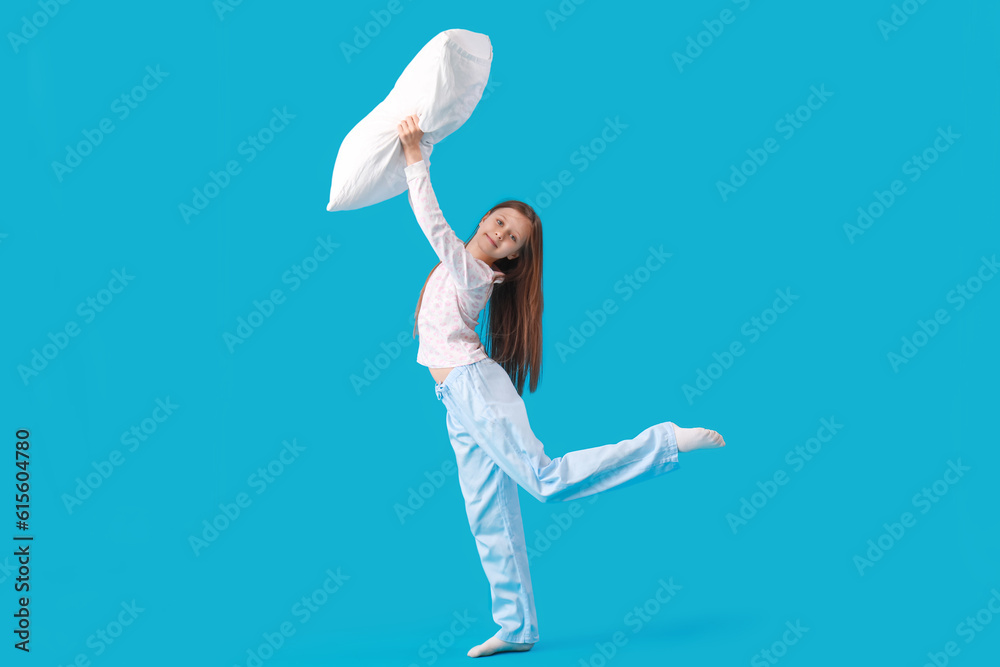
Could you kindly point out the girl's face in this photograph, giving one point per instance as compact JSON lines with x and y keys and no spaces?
{"x":503,"y":233}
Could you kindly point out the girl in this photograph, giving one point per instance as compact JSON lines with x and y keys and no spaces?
{"x":494,"y":446}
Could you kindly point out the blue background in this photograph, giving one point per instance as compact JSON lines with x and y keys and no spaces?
{"x":554,"y":84}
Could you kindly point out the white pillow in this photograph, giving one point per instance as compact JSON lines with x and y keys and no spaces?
{"x":442,"y":85}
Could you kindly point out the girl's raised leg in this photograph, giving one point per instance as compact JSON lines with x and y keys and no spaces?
{"x":487,"y":405}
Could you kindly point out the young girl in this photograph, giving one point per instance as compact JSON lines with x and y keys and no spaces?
{"x":494,"y":446}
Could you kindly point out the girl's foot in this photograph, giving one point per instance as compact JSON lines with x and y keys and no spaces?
{"x":494,"y":645}
{"x":690,"y":439}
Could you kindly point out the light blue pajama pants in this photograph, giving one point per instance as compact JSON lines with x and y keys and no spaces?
{"x":496,"y":451}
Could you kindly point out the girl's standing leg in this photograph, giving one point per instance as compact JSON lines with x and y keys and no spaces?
{"x":494,"y":512}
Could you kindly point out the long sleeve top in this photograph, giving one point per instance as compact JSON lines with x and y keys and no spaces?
{"x":457,"y":290}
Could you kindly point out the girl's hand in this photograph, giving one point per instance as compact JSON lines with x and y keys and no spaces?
{"x":410,"y":135}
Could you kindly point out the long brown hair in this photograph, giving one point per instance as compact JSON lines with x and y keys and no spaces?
{"x":513,"y":323}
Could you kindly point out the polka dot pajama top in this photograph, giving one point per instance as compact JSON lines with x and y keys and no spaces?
{"x":457,"y":290}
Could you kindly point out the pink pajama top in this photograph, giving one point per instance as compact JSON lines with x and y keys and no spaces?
{"x":457,"y":290}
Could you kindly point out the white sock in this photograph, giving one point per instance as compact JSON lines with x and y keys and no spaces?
{"x":690,"y":439}
{"x":494,"y":645}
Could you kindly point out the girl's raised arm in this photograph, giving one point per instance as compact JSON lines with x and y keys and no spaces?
{"x":467,"y":271}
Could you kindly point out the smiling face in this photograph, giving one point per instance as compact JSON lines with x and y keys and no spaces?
{"x":502,"y":233}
